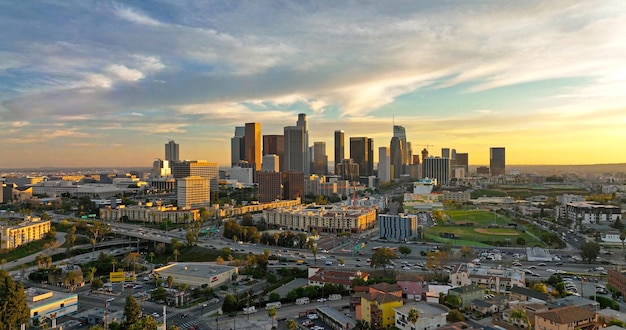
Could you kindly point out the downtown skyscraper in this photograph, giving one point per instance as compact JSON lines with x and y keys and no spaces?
{"x":252,"y":145}
{"x":339,"y":148}
{"x":497,"y":161}
{"x":362,"y":153}
{"x":237,"y":142}
{"x":172,"y":152}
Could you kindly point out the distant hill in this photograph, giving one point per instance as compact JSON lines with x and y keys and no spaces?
{"x":563,"y":169}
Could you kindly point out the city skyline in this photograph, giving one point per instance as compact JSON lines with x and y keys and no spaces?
{"x":87,"y":83}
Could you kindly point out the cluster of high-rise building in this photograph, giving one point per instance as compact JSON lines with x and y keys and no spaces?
{"x":292,"y":153}
{"x":192,"y":180}
{"x":281,"y":164}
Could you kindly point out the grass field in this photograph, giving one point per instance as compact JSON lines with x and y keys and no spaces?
{"x":479,"y":235}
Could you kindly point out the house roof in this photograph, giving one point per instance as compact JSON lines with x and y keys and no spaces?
{"x":385,"y":287}
{"x":336,"y":277}
{"x":565,"y":315}
{"x":409,"y":277}
{"x":481,"y":303}
{"x":382,"y":298}
{"x":529,"y":293}
{"x":467,"y":288}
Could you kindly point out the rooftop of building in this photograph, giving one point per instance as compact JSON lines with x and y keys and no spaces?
{"x":425,"y":309}
{"x":336,"y":276}
{"x":478,"y":271}
{"x":566,"y":315}
{"x":467,"y":289}
{"x":529,"y":293}
{"x":196,"y":269}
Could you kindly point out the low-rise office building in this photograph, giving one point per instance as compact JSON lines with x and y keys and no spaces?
{"x":197,"y":274}
{"x":49,"y":304}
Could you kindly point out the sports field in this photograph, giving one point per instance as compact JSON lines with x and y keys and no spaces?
{"x":479,"y":228}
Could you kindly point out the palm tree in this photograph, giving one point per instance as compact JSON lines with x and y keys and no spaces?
{"x":276,"y":237}
{"x":245,"y":233}
{"x":93,"y":247}
{"x":91,"y":273}
{"x":3,"y":262}
{"x":175,"y":253}
{"x":272,"y":313}
{"x":413,"y":316}
{"x":113,"y":263}
{"x":69,"y":279}
{"x":292,"y":324}
{"x":170,"y":281}
{"x":41,"y":260}
{"x":151,"y":255}
{"x":361,"y":325}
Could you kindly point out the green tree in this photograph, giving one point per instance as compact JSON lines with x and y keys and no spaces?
{"x":382,"y":257}
{"x":230,"y":304}
{"x":274,"y":296}
{"x":589,"y":251}
{"x":14,"y":310}
{"x":540,"y":287}
{"x":520,"y":317}
{"x":455,"y":316}
{"x":175,"y":253}
{"x":132,"y":311}
{"x":170,"y":281}
{"x":272,"y":314}
{"x":405,"y":250}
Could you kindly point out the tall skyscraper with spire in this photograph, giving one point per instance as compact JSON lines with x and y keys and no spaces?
{"x":307,"y":155}
{"x":339,"y":148}
{"x":171,"y":152}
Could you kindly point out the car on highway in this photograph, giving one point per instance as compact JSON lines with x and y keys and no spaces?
{"x":321,"y":299}
{"x":155,"y":314}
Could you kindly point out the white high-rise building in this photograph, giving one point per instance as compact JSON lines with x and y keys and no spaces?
{"x":193,"y":192}
{"x":270,"y":163}
{"x":244,"y":175}
{"x":384,"y":164}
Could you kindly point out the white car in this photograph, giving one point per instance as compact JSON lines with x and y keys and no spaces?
{"x":155,"y":314}
{"x":550,"y":270}
{"x":312,"y":316}
{"x":321,"y":300}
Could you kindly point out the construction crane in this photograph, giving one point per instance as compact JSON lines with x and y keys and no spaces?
{"x":428,"y":145}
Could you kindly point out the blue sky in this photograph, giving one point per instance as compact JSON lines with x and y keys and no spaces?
{"x":87,"y":83}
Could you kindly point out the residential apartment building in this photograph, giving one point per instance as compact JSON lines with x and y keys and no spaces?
{"x":320,"y":277}
{"x":17,"y":232}
{"x":432,"y":316}
{"x":498,"y":280}
{"x":397,"y":226}
{"x":149,"y":214}
{"x":377,"y":306}
{"x":587,"y":212}
{"x":616,"y":278}
{"x":324,"y":218}
{"x":565,"y":318}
